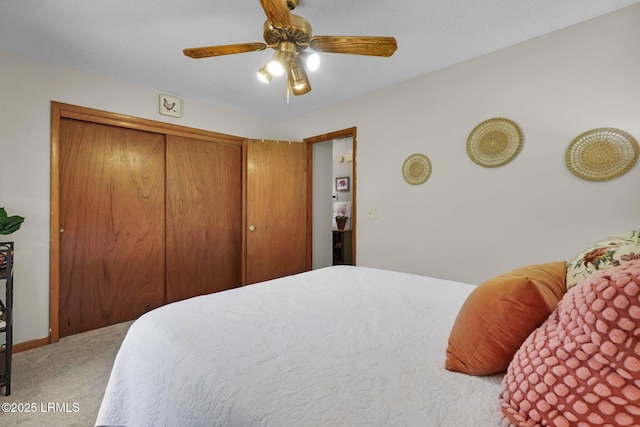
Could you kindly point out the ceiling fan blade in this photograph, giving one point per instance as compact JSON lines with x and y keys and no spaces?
{"x":354,"y":45}
{"x":277,"y":13}
{"x":229,"y":49}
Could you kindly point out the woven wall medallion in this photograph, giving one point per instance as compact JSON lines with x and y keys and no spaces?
{"x":416,"y":169}
{"x":601,"y":154}
{"x":494,"y":142}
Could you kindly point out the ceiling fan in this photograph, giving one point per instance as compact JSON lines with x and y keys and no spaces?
{"x":290,"y":36}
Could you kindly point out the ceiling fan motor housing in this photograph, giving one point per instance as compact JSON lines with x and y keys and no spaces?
{"x":299,"y":33}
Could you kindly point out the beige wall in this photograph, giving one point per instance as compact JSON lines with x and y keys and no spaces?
{"x":466,"y":223}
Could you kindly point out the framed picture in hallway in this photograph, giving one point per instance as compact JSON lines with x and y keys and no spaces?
{"x":342,"y":183}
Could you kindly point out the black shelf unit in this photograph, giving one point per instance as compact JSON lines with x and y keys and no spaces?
{"x":6,"y":306}
{"x":342,"y":247}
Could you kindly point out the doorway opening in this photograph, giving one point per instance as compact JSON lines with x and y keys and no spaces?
{"x":332,"y":160}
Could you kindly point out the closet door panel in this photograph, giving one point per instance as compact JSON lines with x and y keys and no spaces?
{"x":112,"y":224}
{"x":204,"y":217}
{"x":276,"y":209}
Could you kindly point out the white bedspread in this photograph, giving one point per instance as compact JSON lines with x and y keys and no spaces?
{"x":340,"y":346}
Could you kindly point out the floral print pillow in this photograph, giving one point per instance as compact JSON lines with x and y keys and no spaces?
{"x":602,"y":255}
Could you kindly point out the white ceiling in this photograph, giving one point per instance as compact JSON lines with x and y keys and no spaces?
{"x":141,"y":42}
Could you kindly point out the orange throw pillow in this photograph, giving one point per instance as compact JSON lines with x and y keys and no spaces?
{"x":498,"y":316}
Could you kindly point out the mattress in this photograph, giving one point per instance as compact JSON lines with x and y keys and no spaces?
{"x":338,"y":346}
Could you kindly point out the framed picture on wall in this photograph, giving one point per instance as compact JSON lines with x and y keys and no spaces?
{"x":342,"y":183}
{"x":170,"y":105}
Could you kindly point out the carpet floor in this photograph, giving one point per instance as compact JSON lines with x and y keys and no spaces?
{"x":62,"y":384}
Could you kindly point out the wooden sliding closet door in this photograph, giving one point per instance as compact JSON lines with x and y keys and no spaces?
{"x":112,"y":220}
{"x":276,"y":209}
{"x":204,"y":217}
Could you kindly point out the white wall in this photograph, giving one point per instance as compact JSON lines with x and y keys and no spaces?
{"x":322,"y":238}
{"x":27,"y":87}
{"x":468,"y":222}
{"x":343,"y":147}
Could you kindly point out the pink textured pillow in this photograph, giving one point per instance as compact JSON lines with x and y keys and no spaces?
{"x":581,"y":367}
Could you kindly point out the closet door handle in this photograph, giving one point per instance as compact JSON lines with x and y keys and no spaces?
{"x":252,"y":228}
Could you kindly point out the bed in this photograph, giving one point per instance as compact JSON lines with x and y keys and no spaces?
{"x":338,"y":346}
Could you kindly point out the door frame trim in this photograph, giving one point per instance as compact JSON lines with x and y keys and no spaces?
{"x":352,"y":132}
{"x":61,"y":110}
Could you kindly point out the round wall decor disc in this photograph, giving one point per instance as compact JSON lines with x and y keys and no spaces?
{"x":494,"y":142}
{"x":601,"y":154}
{"x":416,"y":169}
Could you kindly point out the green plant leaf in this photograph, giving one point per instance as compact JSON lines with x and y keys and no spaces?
{"x":9,"y":224}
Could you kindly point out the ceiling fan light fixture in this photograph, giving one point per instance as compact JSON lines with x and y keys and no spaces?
{"x":301,"y":91}
{"x":283,"y":54}
{"x":274,"y":66}
{"x":311,"y":61}
{"x":264,"y":75}
{"x":298,"y":79}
